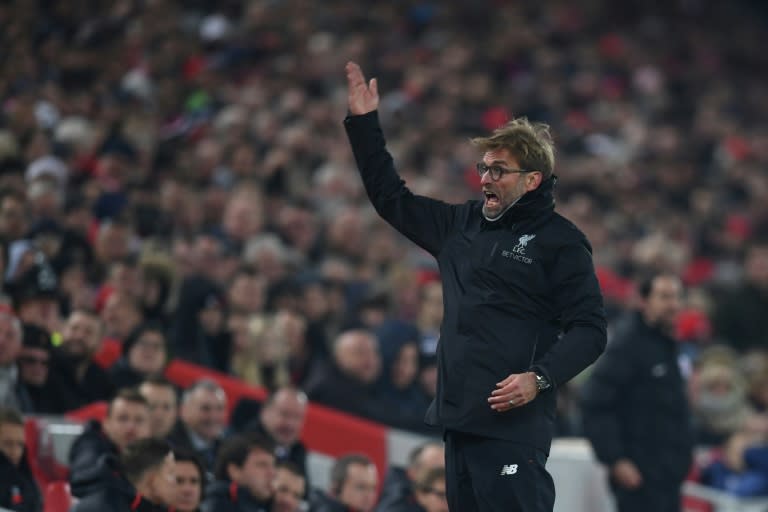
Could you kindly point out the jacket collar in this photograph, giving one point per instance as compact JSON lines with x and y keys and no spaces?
{"x":532,"y":204}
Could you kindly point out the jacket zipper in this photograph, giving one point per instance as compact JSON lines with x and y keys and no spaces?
{"x":533,"y":354}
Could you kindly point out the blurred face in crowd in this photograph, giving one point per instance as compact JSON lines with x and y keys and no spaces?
{"x":431,"y":457}
{"x":33,"y":365}
{"x":756,"y":265}
{"x":246,"y":294}
{"x":13,"y":218}
{"x":204,"y":412}
{"x":160,"y":486}
{"x":126,"y":422}
{"x":148,"y":355}
{"x":257,"y":473}
{"x":431,"y":311}
{"x":405,"y":368}
{"x":81,"y":336}
{"x":163,"y":408}
{"x":359,"y":489}
{"x":283,"y":417}
{"x":664,"y":302}
{"x":432,"y":497}
{"x":41,"y":311}
{"x":113,"y":242}
{"x":189,"y":486}
{"x":10,"y":339}
{"x":12,"y":442}
{"x":121,"y":315}
{"x":357,"y":354}
{"x":243,"y":216}
{"x":289,"y":491}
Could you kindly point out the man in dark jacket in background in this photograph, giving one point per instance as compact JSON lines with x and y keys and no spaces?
{"x":523,"y":309}
{"x":635,"y":407}
{"x":127,"y":421}
{"x":18,"y":490}
{"x":143,"y":480}
{"x":245,"y":472}
{"x":398,"y":494}
{"x":74,"y":377}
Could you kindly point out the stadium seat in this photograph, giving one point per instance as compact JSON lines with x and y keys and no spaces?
{"x":57,"y":497}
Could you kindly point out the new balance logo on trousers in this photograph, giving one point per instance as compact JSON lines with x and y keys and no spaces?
{"x":509,"y":469}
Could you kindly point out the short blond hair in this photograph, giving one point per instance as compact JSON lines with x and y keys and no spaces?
{"x":530,"y":143}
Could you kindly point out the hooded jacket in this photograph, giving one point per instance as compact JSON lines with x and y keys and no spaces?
{"x":519,"y":293}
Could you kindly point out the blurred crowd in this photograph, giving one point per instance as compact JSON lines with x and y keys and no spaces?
{"x":174,"y":176}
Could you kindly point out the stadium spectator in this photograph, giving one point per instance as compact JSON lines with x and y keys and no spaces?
{"x":349,"y":382}
{"x":143,"y":480}
{"x":36,"y":294}
{"x":282,"y":419}
{"x":33,"y":391}
{"x":10,"y":347}
{"x":127,"y":421}
{"x":162,"y":398}
{"x":290,"y":488}
{"x":245,"y":473}
{"x":739,"y":320}
{"x":430,"y":492}
{"x":353,"y":487}
{"x":203,"y":421}
{"x":75,"y":377}
{"x":190,"y":479}
{"x":18,"y":490}
{"x":144,"y":353}
{"x":398,"y":492}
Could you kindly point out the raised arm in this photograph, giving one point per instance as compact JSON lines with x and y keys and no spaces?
{"x":425,"y":221}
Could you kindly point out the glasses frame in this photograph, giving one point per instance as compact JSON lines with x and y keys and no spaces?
{"x":497,"y":171}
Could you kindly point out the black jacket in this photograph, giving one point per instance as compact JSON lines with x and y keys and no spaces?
{"x":104,"y":488}
{"x":18,"y":490}
{"x":510,"y":288}
{"x":87,"y":450}
{"x":73,"y":393}
{"x":635,"y":406}
{"x":223,"y":496}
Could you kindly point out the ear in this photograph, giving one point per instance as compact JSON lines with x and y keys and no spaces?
{"x":533,"y":180}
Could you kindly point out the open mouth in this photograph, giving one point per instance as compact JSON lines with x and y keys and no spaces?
{"x":491,"y":199}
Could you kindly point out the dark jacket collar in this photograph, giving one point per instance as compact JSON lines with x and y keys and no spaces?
{"x":532,"y":204}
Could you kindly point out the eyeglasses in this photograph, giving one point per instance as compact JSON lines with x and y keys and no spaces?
{"x":497,"y":171}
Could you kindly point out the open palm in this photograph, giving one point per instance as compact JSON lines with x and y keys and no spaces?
{"x":361,"y":97}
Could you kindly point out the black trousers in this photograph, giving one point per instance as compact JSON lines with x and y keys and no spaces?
{"x":491,"y":475}
{"x":658,"y":498}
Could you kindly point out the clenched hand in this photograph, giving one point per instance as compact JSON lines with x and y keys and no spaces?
{"x":516,"y":390}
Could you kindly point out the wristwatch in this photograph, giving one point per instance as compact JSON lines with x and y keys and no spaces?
{"x":541,"y":382}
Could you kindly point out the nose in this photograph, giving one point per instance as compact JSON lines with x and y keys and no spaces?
{"x":485,"y":178}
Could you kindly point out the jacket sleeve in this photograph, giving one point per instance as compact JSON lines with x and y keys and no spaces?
{"x":579,"y":302}
{"x":602,"y":396}
{"x":425,"y":221}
